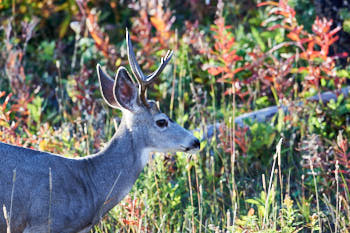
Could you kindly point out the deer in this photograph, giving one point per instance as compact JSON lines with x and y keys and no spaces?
{"x":45,"y":192}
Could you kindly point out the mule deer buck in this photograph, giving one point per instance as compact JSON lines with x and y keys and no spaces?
{"x":55,"y":194}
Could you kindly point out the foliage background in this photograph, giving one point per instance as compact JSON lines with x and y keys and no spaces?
{"x":231,"y":57}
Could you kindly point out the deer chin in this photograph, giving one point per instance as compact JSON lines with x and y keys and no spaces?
{"x":189,"y":150}
{"x":192,"y":151}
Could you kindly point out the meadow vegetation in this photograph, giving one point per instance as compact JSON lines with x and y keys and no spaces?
{"x":290,"y":173}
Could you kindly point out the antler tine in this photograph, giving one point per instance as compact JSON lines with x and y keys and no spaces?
{"x":150,"y":78}
{"x":163,"y":62}
{"x":144,"y":81}
{"x":135,"y":68}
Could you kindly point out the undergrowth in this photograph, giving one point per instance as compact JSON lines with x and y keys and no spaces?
{"x":290,"y":173}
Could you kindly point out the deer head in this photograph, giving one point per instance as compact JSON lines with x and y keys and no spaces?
{"x":142,"y":116}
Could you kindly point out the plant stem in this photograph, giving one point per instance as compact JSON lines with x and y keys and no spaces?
{"x":317,"y":199}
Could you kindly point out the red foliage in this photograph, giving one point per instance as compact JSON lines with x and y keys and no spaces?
{"x":152,"y":14}
{"x":14,"y":55}
{"x":270,"y":71}
{"x":225,"y":137}
{"x":134,"y":209}
{"x":11,"y":117}
{"x":162,"y":21}
{"x":84,"y":103}
{"x":101,"y":38}
{"x":343,"y":156}
{"x":83,"y":92}
{"x":224,"y":53}
{"x":191,"y":35}
{"x":314,"y":46}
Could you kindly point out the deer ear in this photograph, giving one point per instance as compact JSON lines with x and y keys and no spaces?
{"x":106,"y":87}
{"x":125,"y":91}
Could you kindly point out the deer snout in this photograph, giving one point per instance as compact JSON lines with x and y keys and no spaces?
{"x":194,"y":146}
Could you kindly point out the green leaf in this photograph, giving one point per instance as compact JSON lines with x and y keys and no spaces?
{"x":35,"y":109}
{"x":343,"y":73}
{"x":252,"y":201}
{"x":258,"y":38}
{"x":346,"y":25}
{"x":64,"y":26}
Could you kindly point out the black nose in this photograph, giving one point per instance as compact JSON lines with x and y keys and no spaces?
{"x":196,"y":143}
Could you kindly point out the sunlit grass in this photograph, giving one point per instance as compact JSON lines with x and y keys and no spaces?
{"x":287,"y":174}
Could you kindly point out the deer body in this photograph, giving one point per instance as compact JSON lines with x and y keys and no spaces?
{"x":83,"y":190}
{"x":72,"y":191}
{"x":79,"y":186}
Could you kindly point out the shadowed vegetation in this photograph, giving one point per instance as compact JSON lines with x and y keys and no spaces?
{"x":290,"y":173}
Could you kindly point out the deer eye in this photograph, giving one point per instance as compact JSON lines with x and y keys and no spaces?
{"x":162,"y":123}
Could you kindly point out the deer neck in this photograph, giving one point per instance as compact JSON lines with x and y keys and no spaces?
{"x":118,"y":165}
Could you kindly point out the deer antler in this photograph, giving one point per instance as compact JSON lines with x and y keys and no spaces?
{"x":144,"y":81}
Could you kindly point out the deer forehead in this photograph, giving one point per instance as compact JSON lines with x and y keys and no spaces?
{"x":142,"y":117}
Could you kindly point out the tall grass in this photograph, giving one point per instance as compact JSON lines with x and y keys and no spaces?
{"x":245,"y":178}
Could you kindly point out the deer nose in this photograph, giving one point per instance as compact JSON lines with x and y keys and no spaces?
{"x":196,"y":144}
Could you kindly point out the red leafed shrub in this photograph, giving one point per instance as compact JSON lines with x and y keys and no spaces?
{"x":225,"y":137}
{"x":81,"y":92}
{"x":13,"y":115}
{"x":14,"y":54}
{"x":342,"y":155}
{"x":194,"y":37}
{"x":85,"y":106}
{"x":152,"y":14}
{"x":313,"y":46}
{"x":271,"y":71}
{"x":90,"y":18}
{"x":134,"y":212}
{"x":224,"y":53}
{"x":16,"y":123}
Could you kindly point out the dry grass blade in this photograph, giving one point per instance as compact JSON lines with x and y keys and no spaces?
{"x":276,"y":155}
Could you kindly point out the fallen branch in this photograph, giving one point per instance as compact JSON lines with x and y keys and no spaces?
{"x":266,"y":114}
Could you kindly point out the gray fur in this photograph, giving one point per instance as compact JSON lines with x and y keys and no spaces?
{"x":80,"y":186}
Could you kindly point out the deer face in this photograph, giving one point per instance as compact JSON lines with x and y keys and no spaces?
{"x":165,"y":135}
{"x":157,"y":130}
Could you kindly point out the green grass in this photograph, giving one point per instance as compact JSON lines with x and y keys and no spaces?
{"x":288,"y":174}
